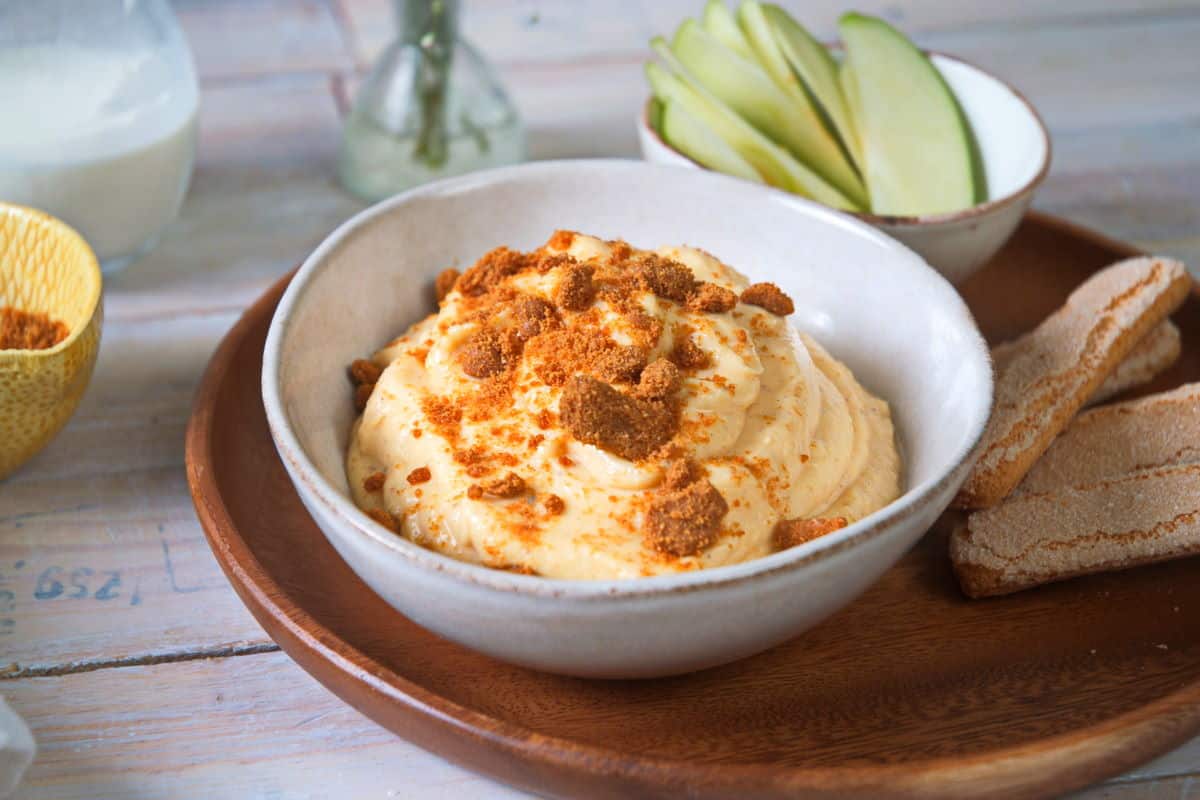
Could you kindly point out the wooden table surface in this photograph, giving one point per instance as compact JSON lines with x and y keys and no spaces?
{"x":137,"y":667}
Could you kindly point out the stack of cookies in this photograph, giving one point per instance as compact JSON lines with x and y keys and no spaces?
{"x":1055,"y":493}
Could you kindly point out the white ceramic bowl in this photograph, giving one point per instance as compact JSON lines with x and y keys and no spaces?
{"x":902,"y":329}
{"x":1014,"y":147}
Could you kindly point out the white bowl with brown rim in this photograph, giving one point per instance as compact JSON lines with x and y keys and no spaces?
{"x":900,"y":326}
{"x":1014,"y":148}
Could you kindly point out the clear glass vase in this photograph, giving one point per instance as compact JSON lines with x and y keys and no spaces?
{"x":99,"y":102}
{"x":431,"y":107}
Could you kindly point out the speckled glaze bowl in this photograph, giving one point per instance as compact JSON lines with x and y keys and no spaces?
{"x":901,"y":328}
{"x":45,"y":267}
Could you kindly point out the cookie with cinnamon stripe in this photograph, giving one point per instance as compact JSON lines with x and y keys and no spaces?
{"x":1108,"y":441}
{"x":1140,"y":518}
{"x":1154,"y":354}
{"x":1053,"y":370}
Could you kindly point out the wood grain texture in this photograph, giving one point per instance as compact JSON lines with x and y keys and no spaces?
{"x":111,"y":734}
{"x":103,"y":561}
{"x":937,"y":696}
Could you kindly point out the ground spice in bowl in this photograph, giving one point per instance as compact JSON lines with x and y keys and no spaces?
{"x":25,"y":330}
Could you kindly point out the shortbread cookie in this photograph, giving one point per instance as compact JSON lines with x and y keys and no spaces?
{"x":1032,"y":539}
{"x":1154,"y":354}
{"x":1109,"y":441}
{"x":1053,"y":370}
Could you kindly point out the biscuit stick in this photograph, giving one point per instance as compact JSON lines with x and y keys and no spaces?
{"x":1110,"y":441}
{"x":1140,"y":518}
{"x":1053,"y":370}
{"x":1157,"y":351}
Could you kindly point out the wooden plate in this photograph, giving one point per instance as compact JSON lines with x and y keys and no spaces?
{"x":912,"y":691}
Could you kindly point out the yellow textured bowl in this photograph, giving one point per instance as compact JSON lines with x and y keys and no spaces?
{"x":46,"y":267}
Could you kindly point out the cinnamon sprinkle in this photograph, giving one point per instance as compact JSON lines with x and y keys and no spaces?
{"x":29,"y":330}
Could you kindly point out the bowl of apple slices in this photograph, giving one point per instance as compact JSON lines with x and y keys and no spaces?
{"x":933,"y":151}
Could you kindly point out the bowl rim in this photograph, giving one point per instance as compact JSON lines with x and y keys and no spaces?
{"x":309,"y":480}
{"x":971,"y":212}
{"x":62,"y":232}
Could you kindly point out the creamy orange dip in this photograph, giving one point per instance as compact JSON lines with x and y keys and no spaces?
{"x":592,"y":411}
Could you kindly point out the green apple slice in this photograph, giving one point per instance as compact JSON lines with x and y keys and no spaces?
{"x":748,"y":90}
{"x":776,"y":166}
{"x":694,"y":139}
{"x":813,"y":64}
{"x":718,"y":20}
{"x":916,"y":145}
{"x":849,"y":86}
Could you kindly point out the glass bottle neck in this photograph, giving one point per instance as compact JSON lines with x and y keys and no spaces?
{"x":426,"y":22}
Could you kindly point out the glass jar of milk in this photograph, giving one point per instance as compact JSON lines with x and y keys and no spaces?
{"x":98,"y":106}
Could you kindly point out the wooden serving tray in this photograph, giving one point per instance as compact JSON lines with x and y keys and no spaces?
{"x":911,"y":691}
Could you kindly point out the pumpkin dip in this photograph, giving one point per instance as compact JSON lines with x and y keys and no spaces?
{"x":593,"y":411}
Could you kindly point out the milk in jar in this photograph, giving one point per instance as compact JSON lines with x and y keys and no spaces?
{"x":101,"y":134}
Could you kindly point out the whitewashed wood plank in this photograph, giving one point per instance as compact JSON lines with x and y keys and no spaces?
{"x":231,"y":38}
{"x":258,"y":727}
{"x":1186,"y":787}
{"x":101,"y":555}
{"x":264,"y":193}
{"x":1184,"y":760}
{"x":529,"y":31}
{"x":234,"y":728}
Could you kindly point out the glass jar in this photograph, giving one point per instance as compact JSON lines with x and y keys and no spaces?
{"x":431,"y":107}
{"x":99,"y":102}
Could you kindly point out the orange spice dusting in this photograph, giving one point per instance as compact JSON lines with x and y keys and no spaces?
{"x":384,"y":518}
{"x":374,"y":482}
{"x":561,"y":240}
{"x":419,"y":475}
{"x":554,"y":504}
{"x":27,"y":330}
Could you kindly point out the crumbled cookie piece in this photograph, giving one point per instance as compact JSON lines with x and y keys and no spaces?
{"x":567,"y":351}
{"x":666,"y":278}
{"x":711,"y":299}
{"x":629,"y":427}
{"x":659,"y":380}
{"x":770,"y":297}
{"x":444,"y":283}
{"x":682,"y":522}
{"x":621,"y":251}
{"x":575,"y":290}
{"x":475,"y":491}
{"x":561,"y":240}
{"x":364,"y":371}
{"x":419,"y":475}
{"x":486,"y":353}
{"x":791,"y":532}
{"x":362,"y":393}
{"x":508,"y":485}
{"x":620,"y":364}
{"x":680,"y":474}
{"x":534,"y":316}
{"x":646,"y":329}
{"x":374,"y":482}
{"x":384,"y":518}
{"x":554,"y":504}
{"x":686,"y":354}
{"x":490,"y":271}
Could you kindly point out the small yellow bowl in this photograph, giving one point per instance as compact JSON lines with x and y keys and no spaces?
{"x":45,"y":267}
